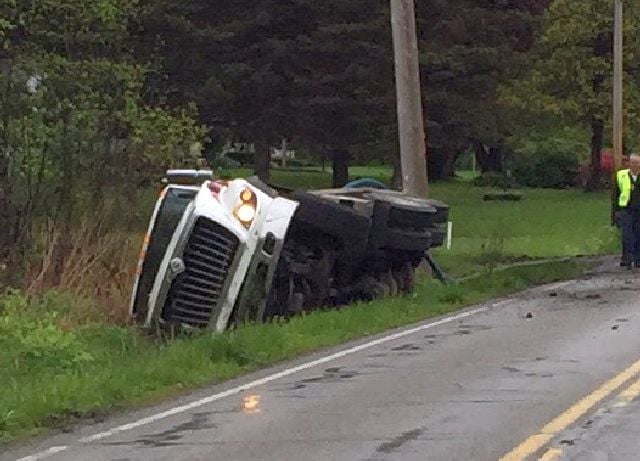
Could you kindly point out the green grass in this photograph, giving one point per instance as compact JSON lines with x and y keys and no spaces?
{"x":52,"y":376}
{"x":545,"y":224}
{"x":467,"y":175}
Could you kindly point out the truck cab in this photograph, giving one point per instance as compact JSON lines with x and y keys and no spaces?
{"x":203,"y":239}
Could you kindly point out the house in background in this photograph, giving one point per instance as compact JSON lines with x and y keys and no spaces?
{"x":282,"y":155}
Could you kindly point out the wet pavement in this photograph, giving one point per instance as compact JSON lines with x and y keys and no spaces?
{"x":612,"y":434}
{"x":464,"y":388}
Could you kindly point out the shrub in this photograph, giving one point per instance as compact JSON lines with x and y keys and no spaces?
{"x":549,"y":158}
{"x":31,"y":336}
{"x":552,"y":170}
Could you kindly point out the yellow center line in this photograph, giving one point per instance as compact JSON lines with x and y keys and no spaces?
{"x":548,"y":432}
{"x":631,"y":393}
{"x":551,"y":455}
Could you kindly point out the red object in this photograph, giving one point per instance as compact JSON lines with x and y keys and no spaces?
{"x":215,"y":188}
{"x":606,"y":160}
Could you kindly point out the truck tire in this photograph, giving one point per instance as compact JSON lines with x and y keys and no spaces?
{"x":407,"y":240}
{"x":438,"y":237}
{"x":344,"y":224}
{"x":442,"y":215}
{"x":407,"y":211}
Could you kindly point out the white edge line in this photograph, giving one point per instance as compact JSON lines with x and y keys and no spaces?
{"x":45,"y":454}
{"x":259,"y":382}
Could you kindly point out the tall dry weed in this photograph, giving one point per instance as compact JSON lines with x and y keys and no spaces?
{"x":98,"y":263}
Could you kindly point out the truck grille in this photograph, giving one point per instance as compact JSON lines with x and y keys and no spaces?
{"x":195,"y":294}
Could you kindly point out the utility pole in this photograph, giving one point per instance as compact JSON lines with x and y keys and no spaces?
{"x":413,"y":157}
{"x":618,"y":127}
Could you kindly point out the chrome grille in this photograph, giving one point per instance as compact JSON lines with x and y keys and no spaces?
{"x":195,"y":294}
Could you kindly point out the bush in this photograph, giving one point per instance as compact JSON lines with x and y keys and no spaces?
{"x":552,"y":170}
{"x":549,"y":158}
{"x":226,"y":163}
{"x":31,"y":335}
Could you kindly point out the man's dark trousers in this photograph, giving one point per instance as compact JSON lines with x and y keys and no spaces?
{"x":629,"y":222}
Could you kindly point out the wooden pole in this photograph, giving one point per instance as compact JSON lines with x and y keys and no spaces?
{"x":618,"y":128}
{"x":413,"y":157}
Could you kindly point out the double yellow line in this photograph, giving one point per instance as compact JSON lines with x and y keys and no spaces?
{"x":537,"y":441}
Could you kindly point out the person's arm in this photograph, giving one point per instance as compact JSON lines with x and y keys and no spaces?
{"x":616,"y":205}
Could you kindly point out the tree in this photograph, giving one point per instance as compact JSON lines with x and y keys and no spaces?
{"x":261,"y":70}
{"x":469,"y":49}
{"x":572,"y":78}
{"x":73,"y":121}
{"x":321,"y":73}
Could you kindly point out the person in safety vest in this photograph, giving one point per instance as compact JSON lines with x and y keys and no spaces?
{"x":628,"y":212}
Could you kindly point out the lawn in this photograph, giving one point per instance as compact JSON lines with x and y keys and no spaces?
{"x":545,"y":224}
{"x":54,"y":370}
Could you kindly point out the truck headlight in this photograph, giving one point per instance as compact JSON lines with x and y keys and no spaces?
{"x":245,"y":212}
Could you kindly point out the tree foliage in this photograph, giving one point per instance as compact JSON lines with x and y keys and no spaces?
{"x":572,"y":79}
{"x":106,"y":94}
{"x":321,"y":73}
{"x":469,"y":49}
{"x":74,"y":125}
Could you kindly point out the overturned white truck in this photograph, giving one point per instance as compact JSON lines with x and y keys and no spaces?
{"x":225,"y":252}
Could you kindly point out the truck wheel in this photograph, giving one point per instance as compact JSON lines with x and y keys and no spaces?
{"x":407,"y":211}
{"x":442,"y":215}
{"x":406,"y":240}
{"x":344,"y":224}
{"x":438,"y":237}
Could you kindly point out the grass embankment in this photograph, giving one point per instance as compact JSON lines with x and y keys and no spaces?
{"x":51,"y":375}
{"x":59,"y":360}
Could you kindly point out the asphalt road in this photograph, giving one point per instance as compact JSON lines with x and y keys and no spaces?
{"x":548,"y":373}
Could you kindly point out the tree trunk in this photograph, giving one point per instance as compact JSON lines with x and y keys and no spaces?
{"x":481,"y":154}
{"x":262,"y":161}
{"x":9,"y":216}
{"x":340,"y":159}
{"x":8,"y":212}
{"x":441,"y":162}
{"x":601,"y":48}
{"x":448,"y":166}
{"x":597,"y":138}
{"x":496,"y":163}
{"x":489,"y":160}
{"x":63,"y":245}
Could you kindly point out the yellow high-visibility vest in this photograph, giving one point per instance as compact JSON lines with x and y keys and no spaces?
{"x":625,"y":185}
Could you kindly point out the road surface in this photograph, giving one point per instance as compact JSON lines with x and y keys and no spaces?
{"x":547,"y":374}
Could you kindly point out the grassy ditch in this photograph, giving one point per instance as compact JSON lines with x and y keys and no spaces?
{"x":52,"y":374}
